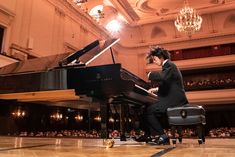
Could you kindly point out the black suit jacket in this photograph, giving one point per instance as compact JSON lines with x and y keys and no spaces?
{"x":171,"y":91}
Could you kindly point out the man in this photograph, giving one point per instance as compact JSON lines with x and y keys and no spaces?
{"x":170,"y":93}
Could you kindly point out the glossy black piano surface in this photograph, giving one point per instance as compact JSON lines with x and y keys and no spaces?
{"x":108,"y":83}
{"x":56,"y":73}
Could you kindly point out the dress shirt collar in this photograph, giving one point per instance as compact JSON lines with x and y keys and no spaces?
{"x":164,"y":62}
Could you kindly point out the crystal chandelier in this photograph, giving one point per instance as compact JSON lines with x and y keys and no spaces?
{"x":99,"y":15}
{"x":79,"y":2}
{"x":97,"y":12}
{"x":188,"y":20}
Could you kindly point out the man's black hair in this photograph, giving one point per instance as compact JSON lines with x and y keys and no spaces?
{"x":158,"y":52}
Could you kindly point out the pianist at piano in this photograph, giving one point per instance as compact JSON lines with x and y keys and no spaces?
{"x":52,"y":60}
{"x":170,"y":93}
{"x":54,"y":79}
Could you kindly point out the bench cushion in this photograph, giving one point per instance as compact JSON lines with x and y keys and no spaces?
{"x":186,"y":115}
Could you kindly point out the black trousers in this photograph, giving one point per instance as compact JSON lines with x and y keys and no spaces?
{"x":152,"y":120}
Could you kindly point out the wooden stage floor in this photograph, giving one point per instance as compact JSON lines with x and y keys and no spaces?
{"x":72,"y":147}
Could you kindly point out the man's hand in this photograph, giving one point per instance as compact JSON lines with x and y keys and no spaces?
{"x":153,"y":90}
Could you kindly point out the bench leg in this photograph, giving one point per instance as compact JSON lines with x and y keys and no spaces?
{"x":173,"y":128}
{"x":179,"y":131}
{"x":173,"y":132}
{"x":201,"y":136}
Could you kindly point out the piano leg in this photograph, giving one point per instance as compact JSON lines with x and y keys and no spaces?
{"x":123,"y":120}
{"x":104,"y":113}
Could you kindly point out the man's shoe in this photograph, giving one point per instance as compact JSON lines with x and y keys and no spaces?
{"x":144,"y":138}
{"x":162,"y":140}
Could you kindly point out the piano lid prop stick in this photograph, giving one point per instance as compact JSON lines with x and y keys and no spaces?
{"x":88,"y":62}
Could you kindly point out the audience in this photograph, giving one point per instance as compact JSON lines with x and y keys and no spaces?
{"x":188,"y":132}
{"x":222,"y":132}
{"x":63,"y":133}
{"x":209,"y":84}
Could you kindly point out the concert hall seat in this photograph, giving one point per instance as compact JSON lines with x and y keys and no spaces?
{"x":187,"y":115}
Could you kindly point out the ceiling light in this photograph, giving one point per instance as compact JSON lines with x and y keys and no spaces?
{"x":188,"y":20}
{"x":97,"y":12}
{"x":79,"y":2}
{"x":113,"y":26}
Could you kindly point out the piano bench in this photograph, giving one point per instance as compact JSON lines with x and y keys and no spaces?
{"x":187,"y":115}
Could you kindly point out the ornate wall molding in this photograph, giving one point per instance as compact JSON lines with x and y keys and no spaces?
{"x":6,"y":16}
{"x":21,"y":53}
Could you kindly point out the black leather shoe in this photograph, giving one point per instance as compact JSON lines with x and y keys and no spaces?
{"x":144,"y":138}
{"x":162,"y":140}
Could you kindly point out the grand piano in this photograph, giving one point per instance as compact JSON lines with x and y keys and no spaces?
{"x":73,"y":76}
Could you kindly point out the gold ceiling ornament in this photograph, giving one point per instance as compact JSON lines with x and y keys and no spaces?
{"x":188,"y":20}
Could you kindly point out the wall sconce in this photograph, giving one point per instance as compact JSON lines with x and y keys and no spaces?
{"x":56,"y":116}
{"x":111,"y":120}
{"x":18,"y":113}
{"x":78,"y":117}
{"x":97,"y":118}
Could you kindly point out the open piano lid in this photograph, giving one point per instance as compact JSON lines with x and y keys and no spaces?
{"x":85,"y":56}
